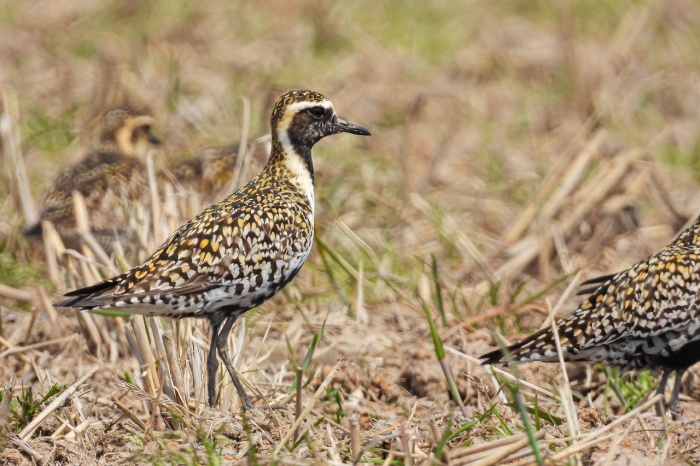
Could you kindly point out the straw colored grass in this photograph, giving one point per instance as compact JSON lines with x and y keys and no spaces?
{"x":516,"y":146}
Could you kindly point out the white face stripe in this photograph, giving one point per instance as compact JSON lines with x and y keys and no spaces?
{"x":288,"y":116}
{"x":296,"y":107}
{"x":293,"y":161}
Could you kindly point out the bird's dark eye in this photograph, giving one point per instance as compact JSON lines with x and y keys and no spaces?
{"x":146,"y":128}
{"x":317,"y":112}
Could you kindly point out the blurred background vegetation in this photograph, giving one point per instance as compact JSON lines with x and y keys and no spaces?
{"x":473,"y":102}
{"x":515,"y":142}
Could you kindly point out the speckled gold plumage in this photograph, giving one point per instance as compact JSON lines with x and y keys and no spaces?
{"x":645,"y":316}
{"x":211,"y":170}
{"x":241,"y":251}
{"x":109,"y":178}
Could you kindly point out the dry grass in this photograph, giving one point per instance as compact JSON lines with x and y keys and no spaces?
{"x":515,"y":144}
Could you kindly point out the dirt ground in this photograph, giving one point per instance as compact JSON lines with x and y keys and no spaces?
{"x":518,"y":149}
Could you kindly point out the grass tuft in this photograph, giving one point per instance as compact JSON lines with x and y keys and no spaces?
{"x":24,"y":407}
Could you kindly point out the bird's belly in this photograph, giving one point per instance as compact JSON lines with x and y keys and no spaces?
{"x":253,"y":289}
{"x":672,"y":349}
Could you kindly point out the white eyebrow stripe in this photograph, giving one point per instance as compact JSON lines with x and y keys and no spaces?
{"x":296,"y":107}
{"x":288,"y":115}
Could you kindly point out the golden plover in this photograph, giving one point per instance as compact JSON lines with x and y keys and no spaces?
{"x":238,"y":253}
{"x":211,"y":170}
{"x":108,"y":177}
{"x":647,"y":316}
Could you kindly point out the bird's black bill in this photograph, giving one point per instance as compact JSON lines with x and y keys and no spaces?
{"x":154,"y":140}
{"x":33,"y":230}
{"x":343,"y":126}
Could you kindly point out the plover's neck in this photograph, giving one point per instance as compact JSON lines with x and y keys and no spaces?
{"x":116,"y":148}
{"x":294,"y":164}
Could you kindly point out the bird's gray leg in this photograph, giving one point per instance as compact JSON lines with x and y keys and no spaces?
{"x":212,"y":362}
{"x":222,"y":345}
{"x":660,"y":391}
{"x":675,"y":404}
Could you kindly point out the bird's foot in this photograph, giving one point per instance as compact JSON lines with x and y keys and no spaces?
{"x":676,"y":410}
{"x":247,"y":405}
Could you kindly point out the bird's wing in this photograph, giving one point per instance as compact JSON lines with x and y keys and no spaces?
{"x":220,"y":246}
{"x":653,"y":297}
{"x":103,"y":179}
{"x":593,"y":284}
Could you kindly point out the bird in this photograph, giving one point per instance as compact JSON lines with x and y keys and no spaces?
{"x":108,"y":178}
{"x":647,"y":316}
{"x":237,"y":253}
{"x":212,"y":169}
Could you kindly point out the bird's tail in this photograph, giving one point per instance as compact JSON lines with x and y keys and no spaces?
{"x":540,"y":346}
{"x":84,"y":297}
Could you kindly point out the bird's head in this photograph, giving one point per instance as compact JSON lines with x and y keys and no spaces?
{"x":302,"y":118}
{"x":129,"y":130}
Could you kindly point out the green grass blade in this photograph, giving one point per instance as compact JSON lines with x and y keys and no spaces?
{"x":438,"y":290}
